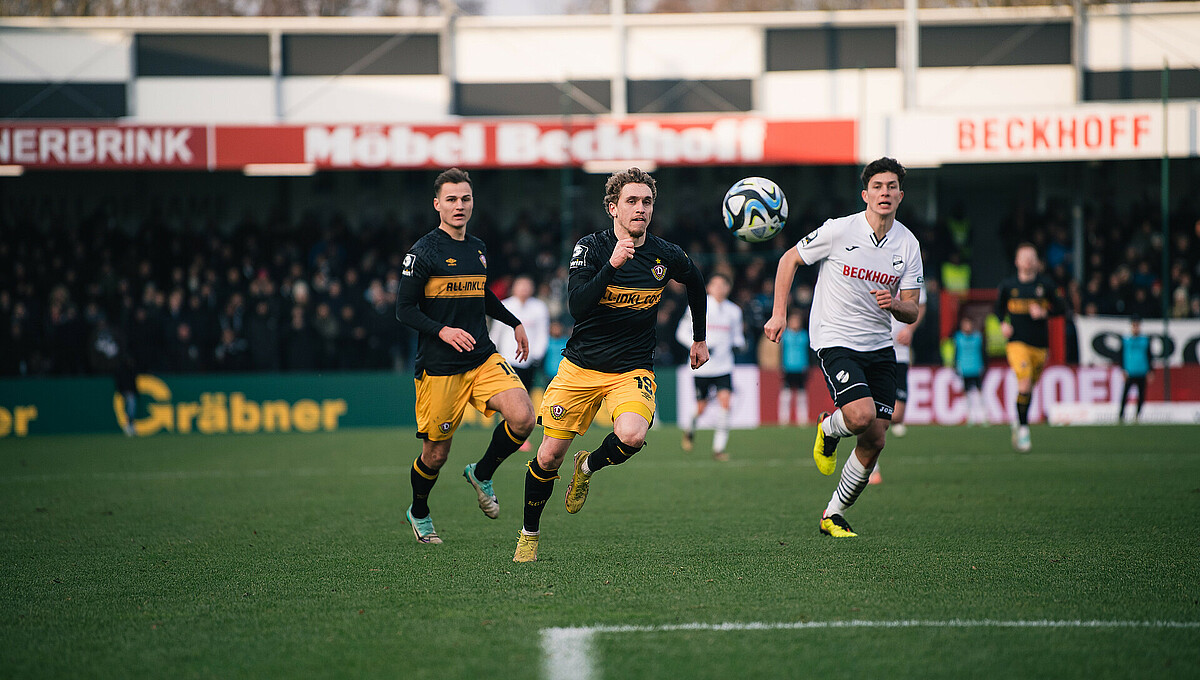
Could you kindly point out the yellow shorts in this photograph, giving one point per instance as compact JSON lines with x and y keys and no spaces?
{"x":1027,"y":361}
{"x":442,"y":399}
{"x":574,"y":396}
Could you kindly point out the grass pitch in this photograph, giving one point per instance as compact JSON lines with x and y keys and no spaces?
{"x":288,"y":556}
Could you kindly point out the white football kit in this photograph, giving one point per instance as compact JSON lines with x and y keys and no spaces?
{"x":535,"y":317}
{"x":844,"y":311}
{"x":904,"y":352}
{"x":726,"y":331}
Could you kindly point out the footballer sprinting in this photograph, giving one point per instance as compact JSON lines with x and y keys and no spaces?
{"x":444,"y":296}
{"x":617,"y":278}
{"x":871,"y":272}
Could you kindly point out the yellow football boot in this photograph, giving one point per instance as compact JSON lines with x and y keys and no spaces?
{"x":526,"y":547}
{"x":578,"y":488}
{"x":825,"y":448}
{"x":837,"y":527}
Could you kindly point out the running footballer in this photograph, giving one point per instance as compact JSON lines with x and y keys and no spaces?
{"x":617,"y":277}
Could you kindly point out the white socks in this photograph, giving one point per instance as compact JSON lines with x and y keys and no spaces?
{"x":721,"y":436}
{"x":854,"y":480}
{"x":835,"y":425}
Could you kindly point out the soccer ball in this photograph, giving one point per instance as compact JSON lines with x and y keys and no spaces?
{"x":755,"y":209}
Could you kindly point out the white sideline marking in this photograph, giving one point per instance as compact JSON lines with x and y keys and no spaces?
{"x":567,"y":651}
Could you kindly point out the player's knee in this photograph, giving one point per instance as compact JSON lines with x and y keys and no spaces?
{"x":633,"y":440}
{"x":857,"y":419}
{"x":522,"y":423}
{"x":435,"y":458}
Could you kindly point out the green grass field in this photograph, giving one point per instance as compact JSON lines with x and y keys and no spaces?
{"x":276,"y":556}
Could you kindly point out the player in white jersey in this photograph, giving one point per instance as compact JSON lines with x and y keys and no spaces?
{"x":535,"y":317}
{"x":902,"y":337}
{"x":725,"y":332}
{"x":871,"y":271}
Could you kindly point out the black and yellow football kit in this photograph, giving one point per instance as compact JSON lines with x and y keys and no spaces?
{"x":610,"y":355}
{"x":1027,"y":348}
{"x":444,"y":283}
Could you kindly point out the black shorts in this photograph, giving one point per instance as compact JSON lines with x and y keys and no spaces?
{"x":796,"y":381}
{"x":901,"y":381}
{"x":973,"y":382}
{"x":851,"y":375}
{"x":708,"y":387}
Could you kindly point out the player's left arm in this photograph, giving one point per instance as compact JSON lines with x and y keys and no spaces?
{"x":494,"y":308}
{"x":697,"y":296}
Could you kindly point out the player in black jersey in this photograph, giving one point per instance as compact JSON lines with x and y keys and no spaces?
{"x":1024,"y":304}
{"x":616,"y":282}
{"x":444,"y":296}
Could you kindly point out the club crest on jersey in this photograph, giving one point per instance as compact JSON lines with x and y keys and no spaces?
{"x":659,"y":271}
{"x":897,"y":262}
{"x":444,"y":427}
{"x":557,"y":412}
{"x":809,"y":239}
{"x":842,"y":377}
{"x":578,"y":256}
{"x":409,"y":260}
{"x":483,"y":260}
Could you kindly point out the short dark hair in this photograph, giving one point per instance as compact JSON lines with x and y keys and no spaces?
{"x":617,"y":181}
{"x":451,"y":176}
{"x":881,"y":165}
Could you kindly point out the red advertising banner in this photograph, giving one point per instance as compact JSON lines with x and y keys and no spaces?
{"x":741,"y":140}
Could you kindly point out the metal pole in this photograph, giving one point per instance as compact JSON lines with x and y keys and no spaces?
{"x":1165,"y":201}
{"x":912,"y":50}
{"x":620,"y":105}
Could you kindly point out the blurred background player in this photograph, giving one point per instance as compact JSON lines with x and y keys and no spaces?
{"x":617,"y":277}
{"x":125,"y":381}
{"x":535,"y":317}
{"x":444,"y":296}
{"x":968,"y":362}
{"x":871,"y":271}
{"x":902,"y":336}
{"x":1024,"y":304}
{"x":1135,"y":363}
{"x":715,"y":378}
{"x":793,"y":399}
{"x":555,"y":345}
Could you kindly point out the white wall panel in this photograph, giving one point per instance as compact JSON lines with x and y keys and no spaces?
{"x":40,"y":56}
{"x":366,"y":99}
{"x":205,"y":100}
{"x":1142,"y":42}
{"x":508,"y":55}
{"x":831,"y":94}
{"x":695,"y":52}
{"x":991,"y":86}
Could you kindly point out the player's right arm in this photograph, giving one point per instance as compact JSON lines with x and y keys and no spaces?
{"x":408,"y":311}
{"x":1002,"y":309}
{"x":811,"y":249}
{"x":591,"y":272}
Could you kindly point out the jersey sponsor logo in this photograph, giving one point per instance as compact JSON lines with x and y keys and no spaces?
{"x":869,"y":275}
{"x":849,"y":248}
{"x":659,"y":270}
{"x":556,"y":412}
{"x":578,"y":256}
{"x":409,"y":260}
{"x":809,"y":239}
{"x":631,"y":298}
{"x":1022,"y":305}
{"x":897,"y":263}
{"x":455,"y":286}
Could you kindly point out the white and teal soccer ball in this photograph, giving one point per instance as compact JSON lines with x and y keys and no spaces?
{"x":754,"y":209}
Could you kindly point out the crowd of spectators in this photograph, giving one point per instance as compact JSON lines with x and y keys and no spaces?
{"x":319,"y":294}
